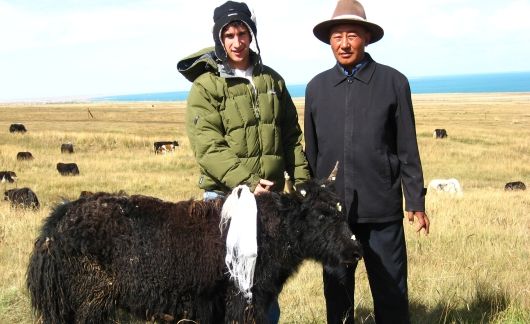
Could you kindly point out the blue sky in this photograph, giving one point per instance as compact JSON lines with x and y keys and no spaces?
{"x":76,"y":49}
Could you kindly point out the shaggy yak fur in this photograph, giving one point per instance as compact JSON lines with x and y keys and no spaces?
{"x":106,"y":255}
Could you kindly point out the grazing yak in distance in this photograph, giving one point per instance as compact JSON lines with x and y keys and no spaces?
{"x":439,"y":133}
{"x":22,"y":197}
{"x":67,"y":148}
{"x":162,"y":147}
{"x":165,"y":261}
{"x":22,"y":156}
{"x":451,"y":186}
{"x":67,"y":169}
{"x":8,"y":176}
{"x":516,"y":185}
{"x":17,"y":128}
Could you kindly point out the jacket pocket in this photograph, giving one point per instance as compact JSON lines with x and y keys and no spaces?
{"x":393,"y":168}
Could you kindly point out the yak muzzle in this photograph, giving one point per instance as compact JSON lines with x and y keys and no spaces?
{"x":355,"y":253}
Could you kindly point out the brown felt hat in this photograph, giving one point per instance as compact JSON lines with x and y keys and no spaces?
{"x":348,"y":12}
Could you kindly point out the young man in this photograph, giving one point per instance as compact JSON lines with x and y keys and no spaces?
{"x":241,"y":122}
{"x":360,"y":113}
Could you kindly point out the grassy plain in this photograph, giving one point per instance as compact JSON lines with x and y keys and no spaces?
{"x":472,"y":268}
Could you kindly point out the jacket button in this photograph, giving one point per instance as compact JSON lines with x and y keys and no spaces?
{"x":350,"y":80}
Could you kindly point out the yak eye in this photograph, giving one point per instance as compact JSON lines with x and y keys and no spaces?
{"x":339,"y":207}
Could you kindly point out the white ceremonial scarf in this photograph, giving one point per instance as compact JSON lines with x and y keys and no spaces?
{"x":241,"y":240}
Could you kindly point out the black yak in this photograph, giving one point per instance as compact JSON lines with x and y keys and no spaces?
{"x":17,"y":128}
{"x":439,"y":133}
{"x":66,"y":169}
{"x":8,"y":176}
{"x":22,"y":197}
{"x":21,"y":156}
{"x":515,"y":185}
{"x":104,"y":254}
{"x":67,"y":148}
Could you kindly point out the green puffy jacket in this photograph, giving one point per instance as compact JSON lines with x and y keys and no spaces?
{"x":239,"y":132}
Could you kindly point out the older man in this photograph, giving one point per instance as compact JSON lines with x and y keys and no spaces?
{"x":360,"y":113}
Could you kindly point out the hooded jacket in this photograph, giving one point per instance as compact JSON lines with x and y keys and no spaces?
{"x":241,"y":132}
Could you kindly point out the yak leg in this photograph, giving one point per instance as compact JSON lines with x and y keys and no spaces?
{"x":208,"y":310}
{"x":239,"y":310}
{"x":93,"y":291}
{"x":97,"y":306}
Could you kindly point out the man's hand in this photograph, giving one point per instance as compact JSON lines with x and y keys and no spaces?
{"x":423,"y":220}
{"x":263,"y":186}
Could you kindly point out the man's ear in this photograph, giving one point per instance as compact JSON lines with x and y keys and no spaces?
{"x":368,"y":38}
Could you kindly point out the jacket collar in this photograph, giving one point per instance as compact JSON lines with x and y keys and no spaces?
{"x":225,"y":71}
{"x":364,"y":74}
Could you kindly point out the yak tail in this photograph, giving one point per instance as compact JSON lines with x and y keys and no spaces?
{"x":46,"y":277}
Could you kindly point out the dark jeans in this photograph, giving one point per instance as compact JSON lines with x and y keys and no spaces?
{"x":385,"y":259}
{"x":273,"y":314}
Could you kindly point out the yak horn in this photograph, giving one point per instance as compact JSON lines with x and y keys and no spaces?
{"x":333,"y":173}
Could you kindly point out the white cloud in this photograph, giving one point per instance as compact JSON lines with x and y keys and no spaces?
{"x":513,"y":17}
{"x":53,"y":47}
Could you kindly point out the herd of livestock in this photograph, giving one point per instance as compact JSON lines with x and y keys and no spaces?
{"x":25,"y":197}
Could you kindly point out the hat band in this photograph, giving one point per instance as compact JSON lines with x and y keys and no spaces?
{"x":355,"y":17}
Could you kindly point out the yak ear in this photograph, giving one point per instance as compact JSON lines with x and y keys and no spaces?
{"x":301,"y":190}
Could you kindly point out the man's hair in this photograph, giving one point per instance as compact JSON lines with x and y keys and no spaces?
{"x":237,"y":24}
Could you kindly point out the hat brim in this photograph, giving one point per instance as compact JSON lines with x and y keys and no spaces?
{"x":321,"y":31}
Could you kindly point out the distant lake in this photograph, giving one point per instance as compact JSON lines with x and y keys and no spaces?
{"x":494,"y":82}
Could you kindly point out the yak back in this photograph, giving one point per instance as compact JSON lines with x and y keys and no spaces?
{"x":136,"y":234}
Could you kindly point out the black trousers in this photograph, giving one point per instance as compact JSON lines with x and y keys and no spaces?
{"x":385,"y":258}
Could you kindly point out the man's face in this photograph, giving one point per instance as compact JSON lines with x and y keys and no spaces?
{"x":348,"y":42}
{"x":236,"y":40}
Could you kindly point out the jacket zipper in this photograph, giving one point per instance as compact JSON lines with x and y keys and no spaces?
{"x":255,"y":107}
{"x":255,"y":102}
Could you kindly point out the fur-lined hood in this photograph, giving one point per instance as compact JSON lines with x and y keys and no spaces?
{"x":205,"y":60}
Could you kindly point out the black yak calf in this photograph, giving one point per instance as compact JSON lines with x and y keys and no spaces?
{"x":22,"y":197}
{"x":165,"y":261}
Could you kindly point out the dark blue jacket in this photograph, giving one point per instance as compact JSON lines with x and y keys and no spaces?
{"x":365,"y":122}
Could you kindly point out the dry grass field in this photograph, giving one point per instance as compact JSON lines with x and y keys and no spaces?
{"x":472,"y":268}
